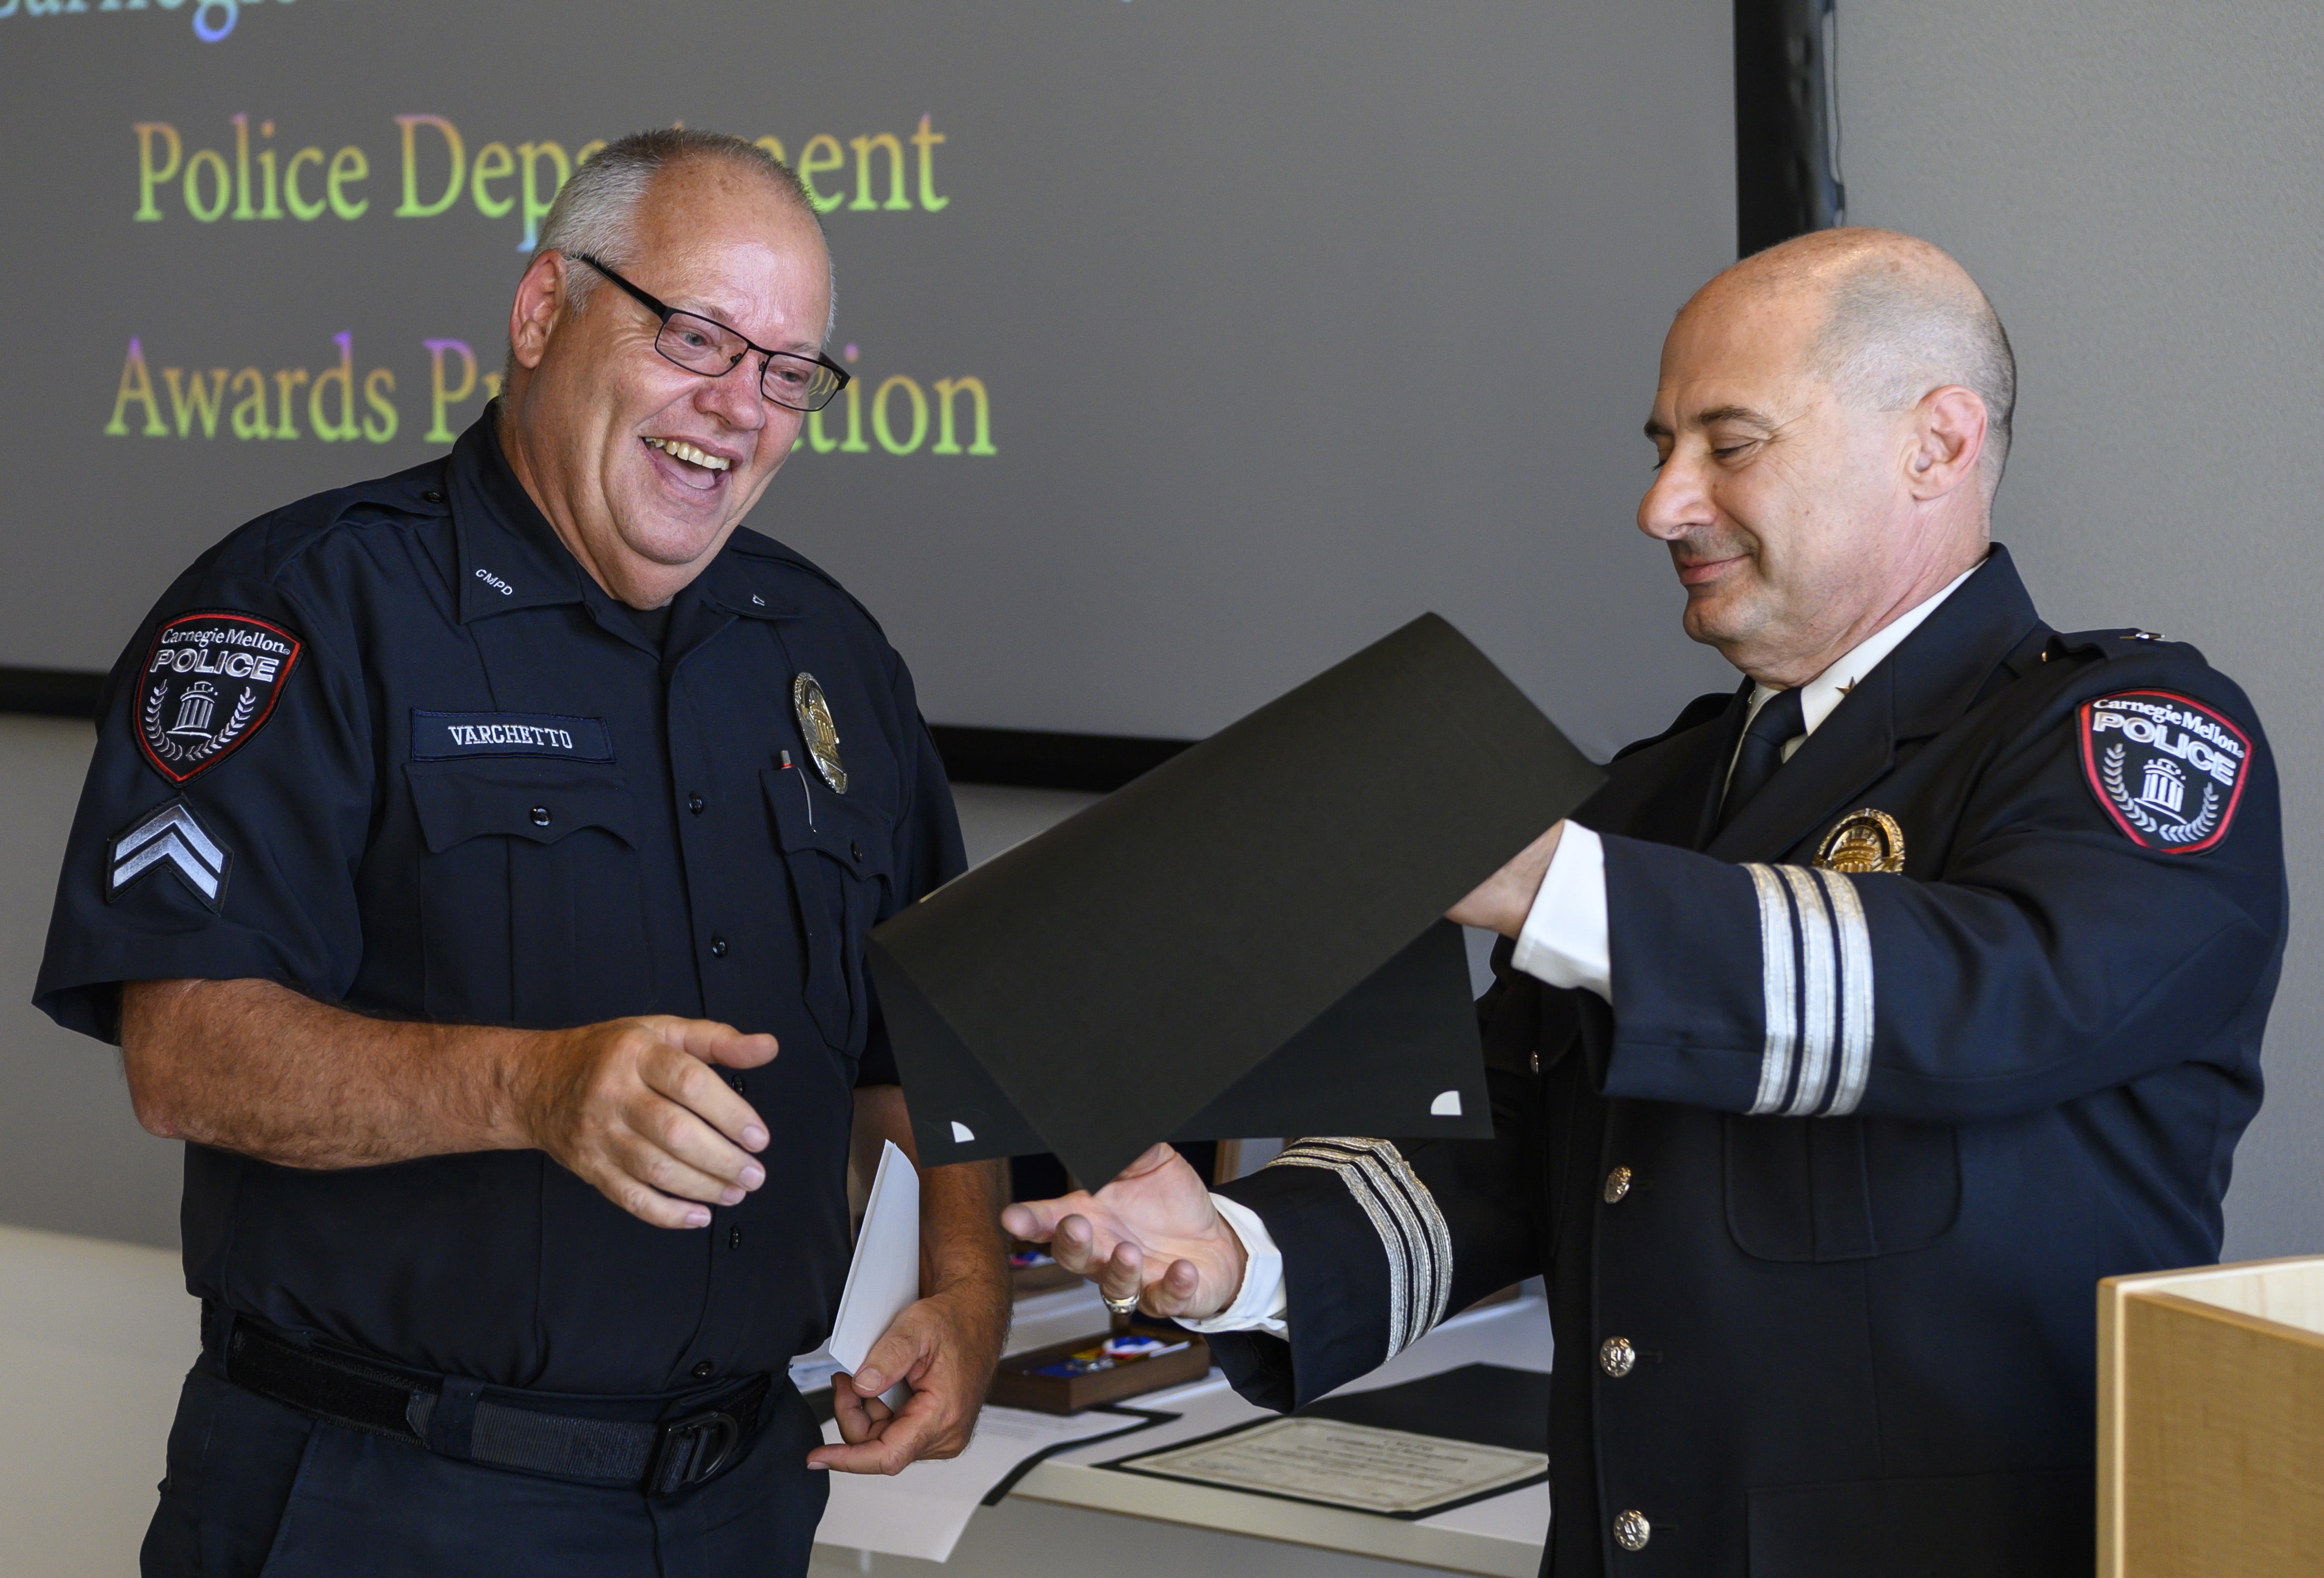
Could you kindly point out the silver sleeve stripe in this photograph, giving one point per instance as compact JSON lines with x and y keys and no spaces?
{"x":1413,"y":1232}
{"x":1778,"y":960}
{"x":1391,"y":1241}
{"x":1406,"y":1325}
{"x":1818,"y":984}
{"x":1819,"y":999}
{"x":1855,"y":994}
{"x":1415,"y":1210}
{"x":1440,"y":1236}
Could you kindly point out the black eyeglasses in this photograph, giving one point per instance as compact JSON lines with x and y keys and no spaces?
{"x":699,"y":344}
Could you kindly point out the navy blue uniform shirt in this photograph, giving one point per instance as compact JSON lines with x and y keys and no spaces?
{"x":1959,"y":1014}
{"x":393,"y":748}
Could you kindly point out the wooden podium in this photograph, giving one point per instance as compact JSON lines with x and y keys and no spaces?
{"x":2211,"y":1421}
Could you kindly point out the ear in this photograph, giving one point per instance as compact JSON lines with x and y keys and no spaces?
{"x":539,"y":306}
{"x":1947,"y":432}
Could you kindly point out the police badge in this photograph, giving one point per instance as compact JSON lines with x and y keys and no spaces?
{"x":822,"y":735}
{"x":209,"y":682}
{"x":2166,"y":770}
{"x":1862,"y":843}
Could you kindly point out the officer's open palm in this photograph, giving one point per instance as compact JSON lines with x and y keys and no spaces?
{"x":1153,"y":1230}
{"x":637,"y":1108}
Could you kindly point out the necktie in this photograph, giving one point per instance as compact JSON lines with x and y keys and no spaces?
{"x":1778,"y":719}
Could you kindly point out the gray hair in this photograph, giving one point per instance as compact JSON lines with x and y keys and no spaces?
{"x":1891,"y":334}
{"x":596,"y":211}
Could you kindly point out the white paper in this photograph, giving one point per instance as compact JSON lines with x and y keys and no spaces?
{"x":1360,"y":1466}
{"x":921,"y":1511}
{"x":884,"y":1279}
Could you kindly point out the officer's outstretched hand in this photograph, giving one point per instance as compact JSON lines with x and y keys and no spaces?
{"x":1152,"y":1231}
{"x":636,"y":1108}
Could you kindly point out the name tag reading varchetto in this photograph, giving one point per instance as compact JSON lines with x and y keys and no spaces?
{"x":438,"y":736}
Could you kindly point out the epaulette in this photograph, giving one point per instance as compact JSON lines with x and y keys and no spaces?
{"x":759,"y":545}
{"x":269,"y":544}
{"x":1693,"y":714}
{"x":417,"y":490}
{"x":2129,"y":642}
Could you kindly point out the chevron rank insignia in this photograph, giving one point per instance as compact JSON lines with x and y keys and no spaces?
{"x":209,"y":683}
{"x":172,"y":836}
{"x":2167,"y":770}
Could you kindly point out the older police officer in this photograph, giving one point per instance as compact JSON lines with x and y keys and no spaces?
{"x":1863,"y":1019}
{"x":474,"y":867}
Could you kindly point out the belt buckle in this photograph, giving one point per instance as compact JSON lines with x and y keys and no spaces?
{"x":689,"y":1451}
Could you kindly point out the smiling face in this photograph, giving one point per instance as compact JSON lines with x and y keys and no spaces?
{"x":643,"y":468}
{"x":1800,"y":521}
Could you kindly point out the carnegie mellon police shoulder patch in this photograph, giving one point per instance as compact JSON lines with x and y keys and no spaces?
{"x":2168,"y":771}
{"x":209,"y":681}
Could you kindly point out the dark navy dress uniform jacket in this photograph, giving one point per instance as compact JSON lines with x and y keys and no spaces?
{"x":1838,"y":1170}
{"x":402,"y":839}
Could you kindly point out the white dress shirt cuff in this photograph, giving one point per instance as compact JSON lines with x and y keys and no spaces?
{"x":1258,"y":1305}
{"x":1563,"y":940}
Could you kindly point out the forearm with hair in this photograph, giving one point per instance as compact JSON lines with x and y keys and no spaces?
{"x":960,"y":1204}
{"x":254,"y":1067}
{"x":960,"y":1229}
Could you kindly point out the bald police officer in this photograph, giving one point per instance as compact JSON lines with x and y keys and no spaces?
{"x":475,"y":868}
{"x":1865,"y":1018}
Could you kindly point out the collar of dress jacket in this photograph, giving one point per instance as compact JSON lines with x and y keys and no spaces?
{"x":1917,"y":690}
{"x":1935,"y":672}
{"x":1822,"y":695}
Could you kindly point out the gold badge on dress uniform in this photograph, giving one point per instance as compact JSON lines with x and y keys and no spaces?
{"x":1862,"y":842}
{"x":822,"y":735}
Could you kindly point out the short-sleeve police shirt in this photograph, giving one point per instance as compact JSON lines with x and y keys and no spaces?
{"x":393,"y":748}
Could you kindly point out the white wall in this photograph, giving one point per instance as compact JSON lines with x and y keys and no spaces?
{"x":2139,"y":186}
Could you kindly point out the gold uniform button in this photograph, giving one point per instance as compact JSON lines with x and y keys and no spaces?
{"x":1631,"y":1531}
{"x":1617,"y":1184}
{"x":1617,"y":1358}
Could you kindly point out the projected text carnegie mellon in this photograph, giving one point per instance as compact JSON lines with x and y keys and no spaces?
{"x":247,"y":175}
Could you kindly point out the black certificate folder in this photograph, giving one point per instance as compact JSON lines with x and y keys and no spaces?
{"x":1245,"y":941}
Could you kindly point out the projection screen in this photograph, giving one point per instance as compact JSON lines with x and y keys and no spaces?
{"x":1195,"y":344}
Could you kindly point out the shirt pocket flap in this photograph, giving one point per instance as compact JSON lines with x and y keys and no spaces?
{"x":542,"y":801}
{"x":856,"y":832}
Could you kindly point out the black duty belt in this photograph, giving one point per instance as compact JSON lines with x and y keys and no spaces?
{"x":501,"y":1426}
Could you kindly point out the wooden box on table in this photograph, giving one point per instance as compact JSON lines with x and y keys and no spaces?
{"x":2211,"y":1421}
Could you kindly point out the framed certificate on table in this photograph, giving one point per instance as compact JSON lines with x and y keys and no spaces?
{"x":1404,"y":1452}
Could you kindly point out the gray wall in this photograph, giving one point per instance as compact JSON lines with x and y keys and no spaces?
{"x":2139,"y":186}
